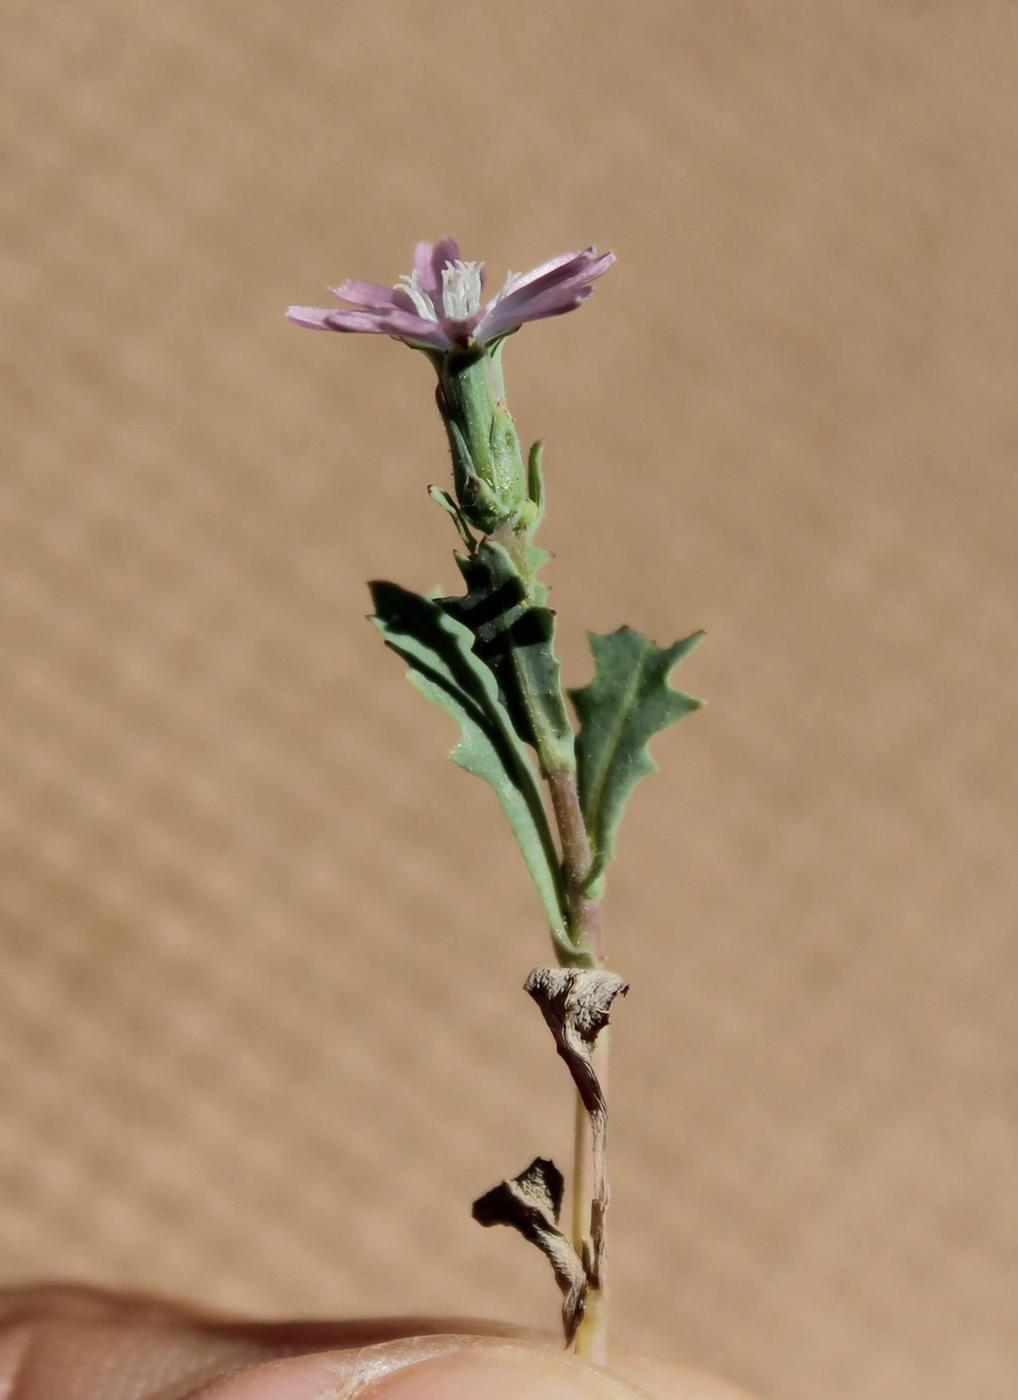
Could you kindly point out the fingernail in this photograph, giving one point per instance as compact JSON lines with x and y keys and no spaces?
{"x":437,"y":1368}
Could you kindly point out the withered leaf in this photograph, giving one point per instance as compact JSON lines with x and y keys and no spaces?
{"x":530,"y":1203}
{"x":576,"y":1003}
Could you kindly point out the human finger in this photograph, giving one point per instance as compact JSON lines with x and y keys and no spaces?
{"x":98,"y":1345}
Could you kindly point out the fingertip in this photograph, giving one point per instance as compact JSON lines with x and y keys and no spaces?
{"x":427,"y":1368}
{"x":508,"y":1372}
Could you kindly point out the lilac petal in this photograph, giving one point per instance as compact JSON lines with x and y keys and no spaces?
{"x":447,"y":250}
{"x":524,"y":279}
{"x":315,"y":318}
{"x":406,"y":325}
{"x":579,"y":271}
{"x":568,"y":270}
{"x":552,"y":294}
{"x":367,"y":294}
{"x":402,"y":325}
{"x":372,"y":322}
{"x":502,"y":320}
{"x":319,"y":318}
{"x":429,"y":259}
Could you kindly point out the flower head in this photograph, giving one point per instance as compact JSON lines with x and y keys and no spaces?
{"x":438,"y":306}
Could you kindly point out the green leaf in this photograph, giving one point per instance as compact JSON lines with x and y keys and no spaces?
{"x":443,"y":666}
{"x":625,"y":705}
{"x":443,"y":499}
{"x":516,"y":641}
{"x":536,"y":557}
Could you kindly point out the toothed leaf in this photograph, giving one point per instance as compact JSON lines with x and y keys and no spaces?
{"x":624,"y":706}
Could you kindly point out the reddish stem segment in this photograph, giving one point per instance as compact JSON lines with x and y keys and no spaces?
{"x":585,"y":921}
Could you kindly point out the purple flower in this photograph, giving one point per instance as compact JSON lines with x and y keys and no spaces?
{"x":438,"y":306}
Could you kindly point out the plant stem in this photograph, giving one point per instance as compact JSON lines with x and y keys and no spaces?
{"x":585,"y":922}
{"x":581,"y":1178}
{"x":586,"y":931}
{"x":591,"y":1340}
{"x":587,"y":928}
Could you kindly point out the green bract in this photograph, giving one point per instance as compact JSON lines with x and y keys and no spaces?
{"x":487,"y":461}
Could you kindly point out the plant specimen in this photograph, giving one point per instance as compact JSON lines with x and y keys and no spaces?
{"x":488,"y":657}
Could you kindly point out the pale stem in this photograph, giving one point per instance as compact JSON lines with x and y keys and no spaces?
{"x":586,"y":925}
{"x":591,"y":1341}
{"x":581,"y":1177}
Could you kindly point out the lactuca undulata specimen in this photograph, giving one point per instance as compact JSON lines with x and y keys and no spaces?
{"x":488,"y":658}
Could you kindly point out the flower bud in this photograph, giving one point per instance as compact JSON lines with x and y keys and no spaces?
{"x":487,"y":462}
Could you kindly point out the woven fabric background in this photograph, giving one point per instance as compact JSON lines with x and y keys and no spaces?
{"x":262,"y":1036}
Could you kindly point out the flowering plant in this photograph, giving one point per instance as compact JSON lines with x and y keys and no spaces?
{"x":488,"y":658}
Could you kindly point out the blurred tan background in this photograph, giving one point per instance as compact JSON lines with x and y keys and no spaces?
{"x":263,"y":1038}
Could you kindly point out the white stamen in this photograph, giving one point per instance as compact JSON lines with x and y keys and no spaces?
{"x":510,"y":278}
{"x":461,"y":289}
{"x":410,"y":283}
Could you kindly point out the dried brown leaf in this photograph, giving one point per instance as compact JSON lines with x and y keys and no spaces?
{"x":576,"y":1003}
{"x":530,"y":1203}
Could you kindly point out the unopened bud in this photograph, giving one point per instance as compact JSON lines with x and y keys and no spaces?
{"x":487,"y":462}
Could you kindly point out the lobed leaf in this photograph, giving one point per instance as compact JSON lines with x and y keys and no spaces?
{"x":624,"y":706}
